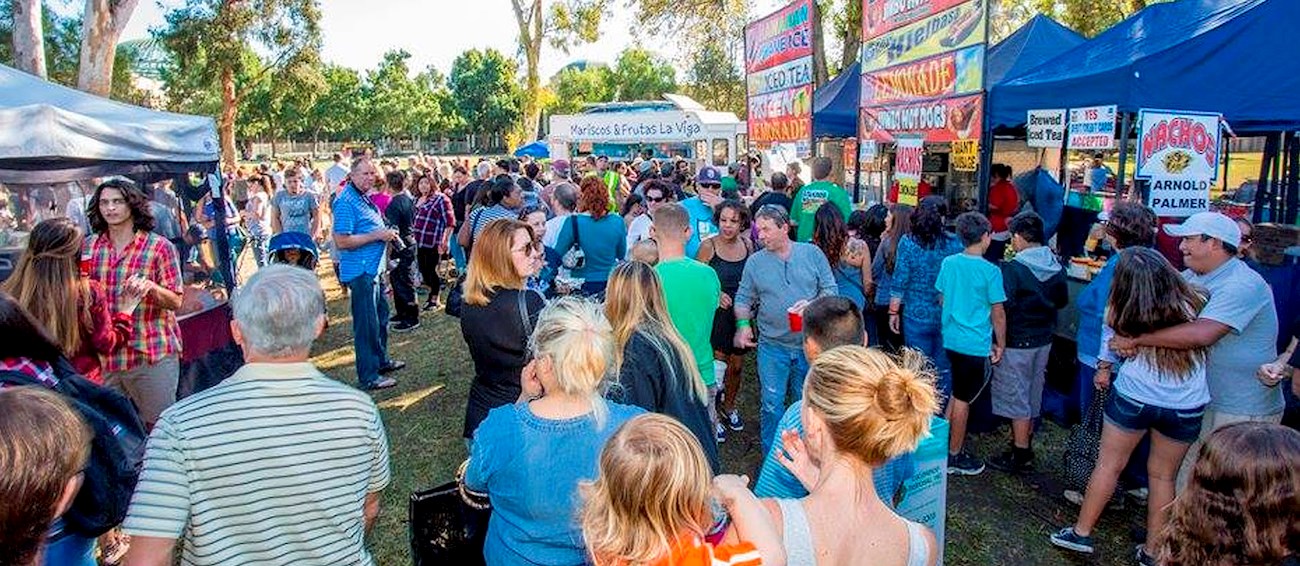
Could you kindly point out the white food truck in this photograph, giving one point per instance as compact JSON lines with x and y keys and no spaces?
{"x":674,"y":127}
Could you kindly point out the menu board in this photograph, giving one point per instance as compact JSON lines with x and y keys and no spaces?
{"x":779,"y":78}
{"x":909,"y":153}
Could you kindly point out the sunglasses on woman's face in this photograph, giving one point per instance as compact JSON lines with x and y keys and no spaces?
{"x":659,"y":198}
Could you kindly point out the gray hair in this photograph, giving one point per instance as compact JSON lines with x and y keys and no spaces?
{"x":774,"y":213}
{"x":565,"y":196}
{"x":483,"y":169}
{"x":278,"y":308}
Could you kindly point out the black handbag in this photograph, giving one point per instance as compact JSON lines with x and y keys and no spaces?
{"x":1083,"y":445}
{"x":448,"y":525}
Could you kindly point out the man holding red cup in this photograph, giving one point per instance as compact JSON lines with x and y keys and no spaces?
{"x":777,"y":282}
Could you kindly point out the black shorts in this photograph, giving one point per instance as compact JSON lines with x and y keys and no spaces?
{"x":970,"y":375}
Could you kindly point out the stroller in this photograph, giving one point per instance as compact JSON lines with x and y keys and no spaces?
{"x":293,"y":248}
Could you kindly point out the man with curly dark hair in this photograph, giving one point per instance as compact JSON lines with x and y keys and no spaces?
{"x":127,"y":258}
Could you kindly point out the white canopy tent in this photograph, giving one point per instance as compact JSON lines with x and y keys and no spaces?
{"x":50,"y":133}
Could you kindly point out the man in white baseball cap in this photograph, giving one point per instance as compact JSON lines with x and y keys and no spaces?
{"x":1238,"y":324}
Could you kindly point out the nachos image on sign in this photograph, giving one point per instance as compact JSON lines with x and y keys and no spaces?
{"x":1174,"y":144}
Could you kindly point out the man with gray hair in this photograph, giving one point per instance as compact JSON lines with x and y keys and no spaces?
{"x":277,"y":464}
{"x":779,"y":280}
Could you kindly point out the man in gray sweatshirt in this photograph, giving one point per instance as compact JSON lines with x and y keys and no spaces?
{"x":784,"y":275}
{"x":1035,"y":287}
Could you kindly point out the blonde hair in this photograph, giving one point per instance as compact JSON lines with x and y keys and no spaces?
{"x":575,"y":335}
{"x":491,"y":267}
{"x":875,"y":406}
{"x":634,"y":302}
{"x":653,"y":488}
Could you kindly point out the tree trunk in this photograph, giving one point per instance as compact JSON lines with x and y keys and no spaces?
{"x":226,"y":123}
{"x":530,"y":37}
{"x":29,"y":37}
{"x":852,"y":36}
{"x":820,"y":74}
{"x":101,"y":24}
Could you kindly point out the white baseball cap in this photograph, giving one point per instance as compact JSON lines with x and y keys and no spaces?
{"x":1212,"y":224}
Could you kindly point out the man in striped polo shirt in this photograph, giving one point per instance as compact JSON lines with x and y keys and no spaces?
{"x":276,"y":465}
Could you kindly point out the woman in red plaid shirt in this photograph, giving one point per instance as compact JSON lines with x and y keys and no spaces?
{"x":126,"y":257}
{"x":432,"y":229}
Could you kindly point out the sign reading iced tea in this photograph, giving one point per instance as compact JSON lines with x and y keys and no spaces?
{"x":779,"y":78}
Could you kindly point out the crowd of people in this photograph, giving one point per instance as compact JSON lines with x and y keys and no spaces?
{"x":608,"y":308}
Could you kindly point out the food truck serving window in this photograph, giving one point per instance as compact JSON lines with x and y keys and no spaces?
{"x":721,"y":152}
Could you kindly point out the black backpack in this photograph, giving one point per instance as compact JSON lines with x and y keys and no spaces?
{"x":116,"y":449}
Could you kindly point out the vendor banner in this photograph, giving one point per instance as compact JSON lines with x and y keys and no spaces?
{"x":782,"y":116}
{"x":784,"y":36}
{"x":1092,"y":128}
{"x":942,"y":120}
{"x":1178,"y":197}
{"x":880,"y":16}
{"x":1178,"y":145}
{"x":1045,"y":128}
{"x":909,"y":156}
{"x":955,"y":28}
{"x":948,"y":74}
{"x":785,"y":76}
{"x":965,"y":155}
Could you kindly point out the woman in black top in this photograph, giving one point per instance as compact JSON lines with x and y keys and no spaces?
{"x":726,"y":253}
{"x":498,"y":315}
{"x":656,"y":369}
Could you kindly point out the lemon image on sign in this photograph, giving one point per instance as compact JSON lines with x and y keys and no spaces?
{"x":1177,"y":161}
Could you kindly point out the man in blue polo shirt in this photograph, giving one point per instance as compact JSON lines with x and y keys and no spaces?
{"x":362,"y":239}
{"x":708,"y":193}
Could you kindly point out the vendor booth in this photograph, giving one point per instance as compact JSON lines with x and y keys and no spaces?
{"x":56,"y":141}
{"x":674,"y":127}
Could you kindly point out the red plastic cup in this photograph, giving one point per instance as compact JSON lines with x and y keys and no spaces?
{"x":795,"y":316}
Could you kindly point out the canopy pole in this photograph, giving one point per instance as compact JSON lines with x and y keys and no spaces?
{"x":1292,"y":189}
{"x":857,"y":159}
{"x":1263,"y":187}
{"x":1227,"y":156}
{"x":1123,"y":155}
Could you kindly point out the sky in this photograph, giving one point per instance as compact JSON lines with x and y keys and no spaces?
{"x":356,"y":33}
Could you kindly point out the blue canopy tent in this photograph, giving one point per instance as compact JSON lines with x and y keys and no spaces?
{"x":1038,"y":40}
{"x":1210,"y":55}
{"x":835,"y":105}
{"x":535,"y":150}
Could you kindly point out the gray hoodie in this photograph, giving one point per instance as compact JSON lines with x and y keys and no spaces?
{"x":1040,"y":260}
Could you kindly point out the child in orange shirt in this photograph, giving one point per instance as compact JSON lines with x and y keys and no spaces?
{"x":653,"y":504}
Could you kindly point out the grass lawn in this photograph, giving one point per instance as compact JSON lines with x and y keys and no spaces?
{"x":992,"y":518}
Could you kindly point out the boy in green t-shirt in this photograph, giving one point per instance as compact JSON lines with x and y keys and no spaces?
{"x":691,"y":289}
{"x":971,"y":294}
{"x":812,"y":196}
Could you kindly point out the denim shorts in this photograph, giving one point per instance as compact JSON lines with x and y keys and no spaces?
{"x":1180,"y":425}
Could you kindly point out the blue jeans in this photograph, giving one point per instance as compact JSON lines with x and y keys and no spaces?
{"x":781,"y":371}
{"x":926,"y":337}
{"x":369,"y":327}
{"x":458,"y":253}
{"x":67,"y":549}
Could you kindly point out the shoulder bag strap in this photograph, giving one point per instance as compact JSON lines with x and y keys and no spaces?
{"x":523,"y":313}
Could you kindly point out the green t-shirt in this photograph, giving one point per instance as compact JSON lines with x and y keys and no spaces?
{"x":692,"y":290}
{"x":810,"y":198}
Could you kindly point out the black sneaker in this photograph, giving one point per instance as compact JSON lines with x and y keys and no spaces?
{"x":1012,"y":463}
{"x":404,"y":326}
{"x":391,"y":366}
{"x":733,"y":421}
{"x":964,"y":464}
{"x":720,"y":433}
{"x":1068,"y":539}
{"x":381,"y":384}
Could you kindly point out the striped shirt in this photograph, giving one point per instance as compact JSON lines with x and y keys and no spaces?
{"x":272,"y":466}
{"x":154,"y":331}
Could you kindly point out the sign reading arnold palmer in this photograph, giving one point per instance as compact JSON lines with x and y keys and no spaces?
{"x":1178,"y":153}
{"x":779,"y":77}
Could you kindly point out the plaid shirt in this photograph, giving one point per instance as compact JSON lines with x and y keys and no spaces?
{"x":432,"y":219}
{"x":155,"y":333}
{"x":35,"y":369}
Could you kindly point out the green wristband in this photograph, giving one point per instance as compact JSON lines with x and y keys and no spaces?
{"x":742,"y":323}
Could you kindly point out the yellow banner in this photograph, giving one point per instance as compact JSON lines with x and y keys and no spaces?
{"x":965,"y":155}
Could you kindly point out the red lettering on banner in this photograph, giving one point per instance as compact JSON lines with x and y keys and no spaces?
{"x":1182,"y":133}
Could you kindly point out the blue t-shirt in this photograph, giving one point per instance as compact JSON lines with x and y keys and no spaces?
{"x":355,"y":215}
{"x":970,"y":286}
{"x":701,"y":222}
{"x":1241,"y":300}
{"x":603,"y":243}
{"x":849,"y":281}
{"x":915,"y":270}
{"x":1091,"y":306}
{"x":530,"y":468}
{"x":777,"y":482}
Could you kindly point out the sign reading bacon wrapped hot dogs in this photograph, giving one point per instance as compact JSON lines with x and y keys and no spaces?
{"x":941,"y":120}
{"x":779,"y":78}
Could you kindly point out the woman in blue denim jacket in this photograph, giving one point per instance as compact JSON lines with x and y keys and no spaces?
{"x":914,"y":308}
{"x":530,"y":456}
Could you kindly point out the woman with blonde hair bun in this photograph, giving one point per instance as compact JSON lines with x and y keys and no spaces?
{"x":528,"y":457}
{"x":679,"y":524}
{"x":656,"y":369}
{"x":860,"y":408}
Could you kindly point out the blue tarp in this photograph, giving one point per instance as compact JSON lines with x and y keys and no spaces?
{"x":536,"y":149}
{"x":1236,"y":57}
{"x":835,"y":104}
